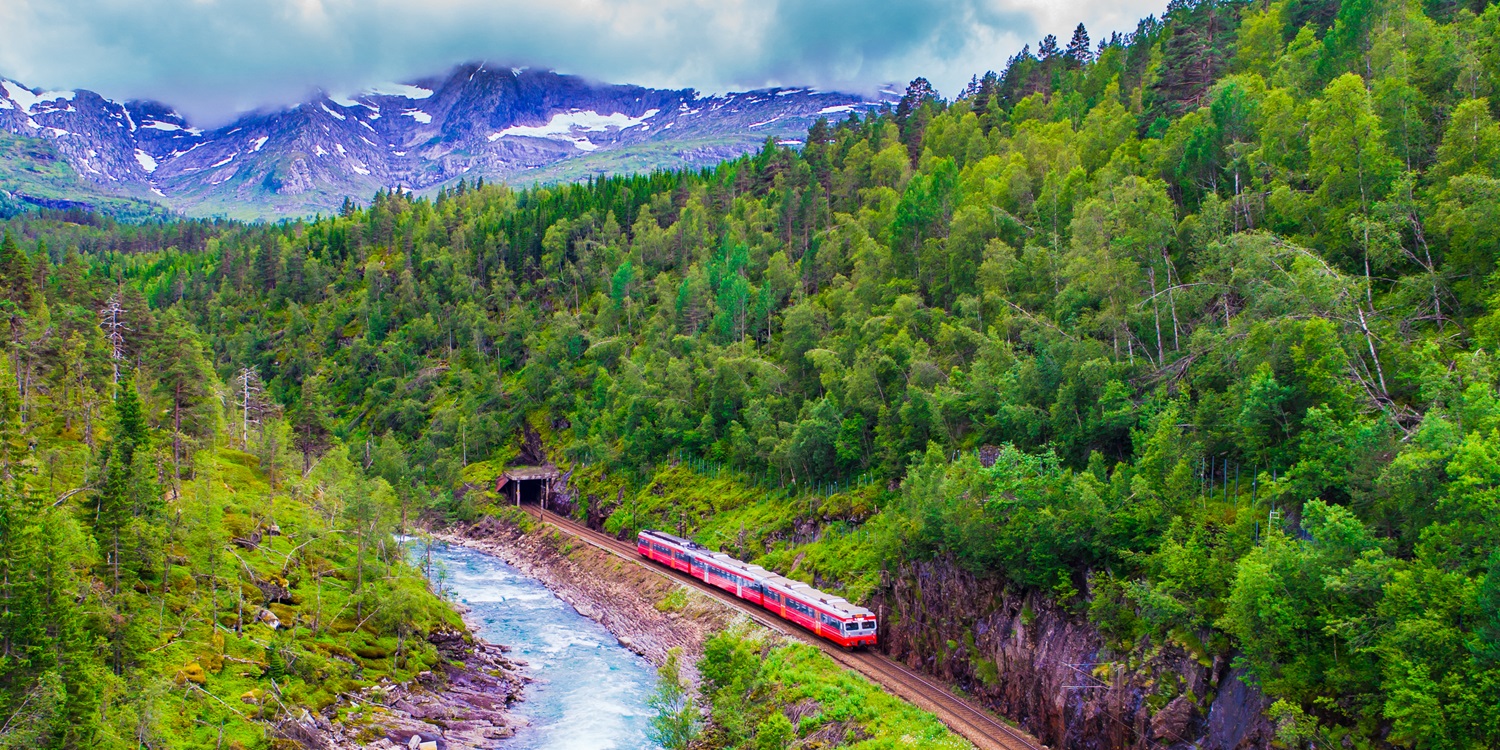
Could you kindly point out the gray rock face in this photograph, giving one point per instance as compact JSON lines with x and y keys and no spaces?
{"x":513,"y":125}
{"x":1051,"y":670}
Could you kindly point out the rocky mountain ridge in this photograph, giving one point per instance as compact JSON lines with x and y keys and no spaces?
{"x":508,"y":124}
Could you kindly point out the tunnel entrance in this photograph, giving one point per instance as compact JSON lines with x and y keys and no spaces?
{"x":530,"y":491}
{"x":527,"y":485}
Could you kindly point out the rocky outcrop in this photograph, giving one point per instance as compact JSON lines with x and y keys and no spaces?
{"x":1049,"y":669}
{"x":461,"y":705}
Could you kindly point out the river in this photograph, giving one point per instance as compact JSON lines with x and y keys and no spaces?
{"x":589,"y":692}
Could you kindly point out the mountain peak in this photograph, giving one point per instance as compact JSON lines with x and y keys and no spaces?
{"x":518,"y":125}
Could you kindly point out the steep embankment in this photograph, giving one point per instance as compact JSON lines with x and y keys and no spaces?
{"x":1052,"y":671}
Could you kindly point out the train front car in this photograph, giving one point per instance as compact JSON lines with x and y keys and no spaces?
{"x":848,"y":625}
{"x":860,"y":631}
{"x":826,"y":615}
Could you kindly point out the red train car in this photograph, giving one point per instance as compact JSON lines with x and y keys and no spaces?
{"x":671,"y":551}
{"x":826,"y":615}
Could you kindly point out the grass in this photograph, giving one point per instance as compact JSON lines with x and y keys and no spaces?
{"x":751,"y":675}
{"x":33,"y":167}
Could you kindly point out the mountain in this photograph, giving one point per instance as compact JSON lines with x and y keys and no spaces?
{"x":508,"y":124}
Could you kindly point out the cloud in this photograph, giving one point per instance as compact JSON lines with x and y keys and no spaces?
{"x":214,"y":58}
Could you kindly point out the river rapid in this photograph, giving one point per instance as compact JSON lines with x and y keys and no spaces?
{"x":589,"y":692}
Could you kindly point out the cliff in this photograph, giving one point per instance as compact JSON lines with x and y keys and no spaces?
{"x":1049,"y":669}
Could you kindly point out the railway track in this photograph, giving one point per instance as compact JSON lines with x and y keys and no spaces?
{"x":964,"y":718}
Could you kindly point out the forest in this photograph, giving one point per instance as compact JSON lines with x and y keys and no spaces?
{"x":1192,"y":330}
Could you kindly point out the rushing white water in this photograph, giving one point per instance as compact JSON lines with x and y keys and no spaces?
{"x":589,"y":693}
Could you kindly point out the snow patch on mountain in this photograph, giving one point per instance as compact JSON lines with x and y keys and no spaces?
{"x":564,"y":123}
{"x":399,"y":89}
{"x":146,"y":161}
{"x":27,"y":101}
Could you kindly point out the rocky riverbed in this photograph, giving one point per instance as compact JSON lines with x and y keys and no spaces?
{"x":647,"y":613}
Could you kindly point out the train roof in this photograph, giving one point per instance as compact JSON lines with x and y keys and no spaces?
{"x":677,"y":540}
{"x":835,"y":604}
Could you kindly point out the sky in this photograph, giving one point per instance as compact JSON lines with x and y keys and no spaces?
{"x":212,"y":59}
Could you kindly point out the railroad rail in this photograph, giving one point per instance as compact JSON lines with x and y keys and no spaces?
{"x":963,"y":717}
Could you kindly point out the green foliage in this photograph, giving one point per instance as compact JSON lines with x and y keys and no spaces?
{"x":675,"y":724}
{"x":750,"y":684}
{"x":1193,"y":333}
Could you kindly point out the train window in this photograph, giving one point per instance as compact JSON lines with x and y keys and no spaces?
{"x":773,"y":596}
{"x":869,"y":625}
{"x":851,"y":626}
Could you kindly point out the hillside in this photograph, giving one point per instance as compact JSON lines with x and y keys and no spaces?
{"x":476,"y":121}
{"x":1174,"y":352}
{"x":33,"y":174}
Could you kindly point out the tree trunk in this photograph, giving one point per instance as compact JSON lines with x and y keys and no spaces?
{"x":1156,"y":313}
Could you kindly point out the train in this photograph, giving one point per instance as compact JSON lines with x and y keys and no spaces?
{"x":828,"y":616}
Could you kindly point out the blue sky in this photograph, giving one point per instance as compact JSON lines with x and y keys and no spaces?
{"x":213,"y":58}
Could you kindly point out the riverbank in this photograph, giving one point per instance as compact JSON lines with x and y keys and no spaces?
{"x":649,"y":614}
{"x":464,"y":704}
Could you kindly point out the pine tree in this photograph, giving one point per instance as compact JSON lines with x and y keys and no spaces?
{"x":185,"y":381}
{"x":268,"y":265}
{"x":310,"y":423}
{"x":22,"y":628}
{"x":71,"y":277}
{"x":16,"y":282}
{"x":1078,"y":48}
{"x":918,"y":93}
{"x":115,"y":504}
{"x":989,"y":86}
{"x":914,"y":112}
{"x":1047,"y":48}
